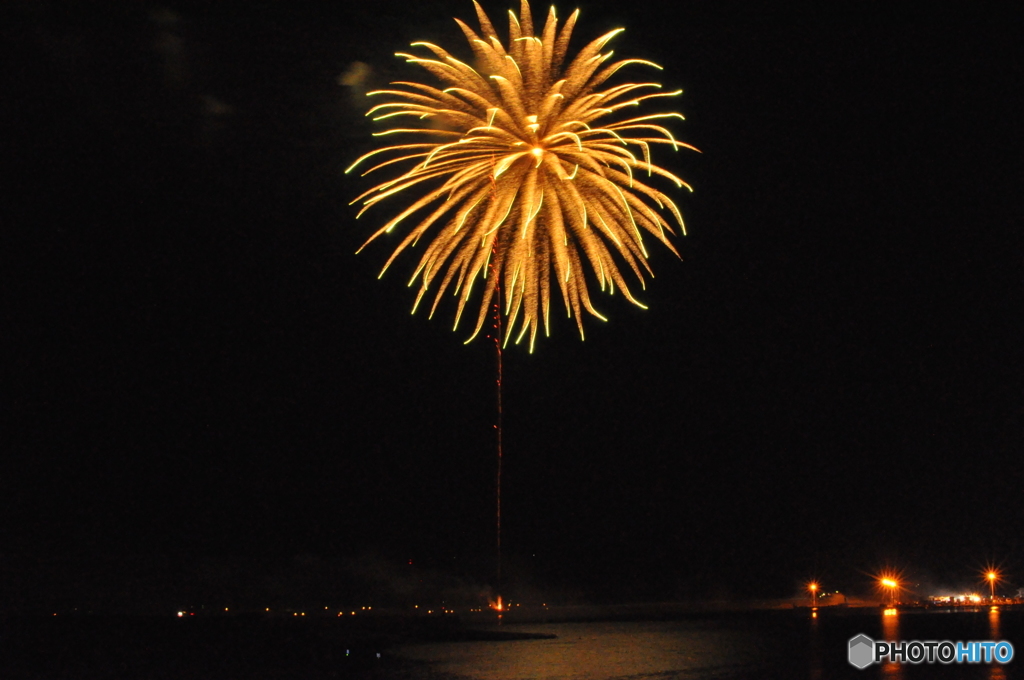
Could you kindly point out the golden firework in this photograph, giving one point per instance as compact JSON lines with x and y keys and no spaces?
{"x":532,"y":172}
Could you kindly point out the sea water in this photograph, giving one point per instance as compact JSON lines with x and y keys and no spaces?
{"x":768,"y":645}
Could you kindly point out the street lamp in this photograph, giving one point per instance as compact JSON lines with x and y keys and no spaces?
{"x":892,"y":585}
{"x":992,"y":577}
{"x":813,"y":587}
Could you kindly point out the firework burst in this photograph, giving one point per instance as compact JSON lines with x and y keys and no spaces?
{"x":528,"y":173}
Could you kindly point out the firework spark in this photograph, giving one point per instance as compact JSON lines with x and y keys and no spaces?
{"x":527,"y":172}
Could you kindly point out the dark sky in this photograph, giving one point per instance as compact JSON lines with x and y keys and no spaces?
{"x":199,"y":369}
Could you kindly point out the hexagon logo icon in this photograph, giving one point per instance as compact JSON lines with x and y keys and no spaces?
{"x":862,"y":651}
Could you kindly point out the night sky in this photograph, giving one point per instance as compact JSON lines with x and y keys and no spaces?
{"x":208,"y":393}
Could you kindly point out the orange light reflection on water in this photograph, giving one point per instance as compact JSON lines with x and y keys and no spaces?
{"x":993,"y":624}
{"x":996,"y":670}
{"x":891,"y":632}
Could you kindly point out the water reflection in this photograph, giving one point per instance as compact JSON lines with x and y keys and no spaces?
{"x":996,"y":670}
{"x":891,"y":633}
{"x":605,"y":650}
{"x":815,"y":655}
{"x":784,"y":645}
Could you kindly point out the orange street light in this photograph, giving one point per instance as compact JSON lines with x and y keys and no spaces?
{"x":992,"y":577}
{"x":813,"y":587}
{"x":892,"y":585}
